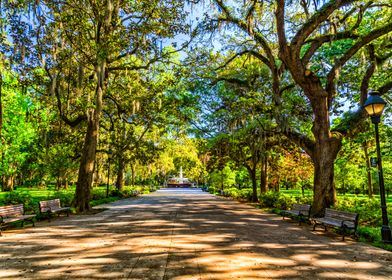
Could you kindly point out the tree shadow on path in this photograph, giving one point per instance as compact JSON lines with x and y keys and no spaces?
{"x":184,"y":234}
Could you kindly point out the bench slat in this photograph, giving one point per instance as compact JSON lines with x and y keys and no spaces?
{"x":341,"y":215}
{"x":52,"y":206}
{"x":301,"y":207}
{"x":11,"y":210}
{"x":49,"y":205}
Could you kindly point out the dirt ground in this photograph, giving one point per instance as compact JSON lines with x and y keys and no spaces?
{"x":184,"y":234}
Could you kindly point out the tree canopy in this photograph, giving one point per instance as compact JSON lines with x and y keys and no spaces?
{"x":240,"y":94}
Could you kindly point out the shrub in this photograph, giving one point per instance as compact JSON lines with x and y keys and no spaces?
{"x":304,"y":199}
{"x":284,"y":202}
{"x":369,"y":234}
{"x":232,"y":192}
{"x":65,"y":197}
{"x":117,"y":193}
{"x":246,"y":193}
{"x":368,"y":209}
{"x":212,"y":189}
{"x":98,"y":193}
{"x":23,"y":197}
{"x":276,"y":199}
{"x":269,"y":199}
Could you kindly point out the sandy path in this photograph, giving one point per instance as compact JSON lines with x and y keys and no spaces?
{"x":184,"y":234}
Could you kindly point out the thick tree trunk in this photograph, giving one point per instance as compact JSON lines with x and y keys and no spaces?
{"x":86,"y":168}
{"x":264,"y":175}
{"x":324,"y":154}
{"x":120,"y":173}
{"x":65,"y":183}
{"x":133,"y":175}
{"x":58,"y":183}
{"x":252,"y":173}
{"x":368,"y":169}
{"x":8,"y":183}
{"x":277,"y":185}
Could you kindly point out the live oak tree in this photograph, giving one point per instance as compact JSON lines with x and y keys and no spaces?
{"x":80,"y":44}
{"x":290,"y":36}
{"x":239,"y":110}
{"x":146,"y":106}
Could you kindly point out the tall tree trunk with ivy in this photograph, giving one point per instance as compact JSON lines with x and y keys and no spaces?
{"x":87,"y":161}
{"x":264,"y":175}
{"x":120,"y":173}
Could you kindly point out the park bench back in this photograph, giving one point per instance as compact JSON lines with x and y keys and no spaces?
{"x":11,"y":210}
{"x":347,"y":219}
{"x":49,"y":205}
{"x":303,"y":209}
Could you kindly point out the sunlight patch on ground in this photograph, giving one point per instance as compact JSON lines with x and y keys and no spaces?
{"x":334,"y":263}
{"x":272,"y":245}
{"x":351,"y":275}
{"x":305,"y":257}
{"x":9,"y":273}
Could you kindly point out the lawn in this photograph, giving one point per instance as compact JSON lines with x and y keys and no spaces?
{"x":339,"y":196}
{"x":31,"y":196}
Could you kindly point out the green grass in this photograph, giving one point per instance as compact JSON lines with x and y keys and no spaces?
{"x":31,"y":196}
{"x":310,"y":192}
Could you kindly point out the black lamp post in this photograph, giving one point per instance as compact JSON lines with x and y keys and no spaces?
{"x":110,"y":152}
{"x":374,"y":106}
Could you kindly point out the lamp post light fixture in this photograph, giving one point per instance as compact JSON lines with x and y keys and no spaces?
{"x":110,"y":153}
{"x":374,"y":106}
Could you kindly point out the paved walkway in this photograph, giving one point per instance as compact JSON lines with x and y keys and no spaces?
{"x":184,"y":234}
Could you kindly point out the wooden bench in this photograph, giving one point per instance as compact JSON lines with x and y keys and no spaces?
{"x":51,"y":207}
{"x":14,"y":213}
{"x":299,"y":210}
{"x":342,"y":220}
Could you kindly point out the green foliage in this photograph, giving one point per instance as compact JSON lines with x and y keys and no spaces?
{"x":232,"y":192}
{"x":23,"y":197}
{"x":276,"y":199}
{"x":368,"y":209}
{"x":246,"y":194}
{"x":224,"y":178}
{"x":66,"y":197}
{"x":58,"y":161}
{"x":212,"y":190}
{"x":98,"y":193}
{"x":18,"y":132}
{"x":369,"y":234}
